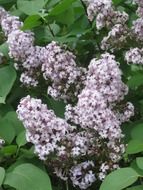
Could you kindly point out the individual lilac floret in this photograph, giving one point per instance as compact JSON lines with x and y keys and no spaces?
{"x":28,"y":79}
{"x":43,"y":128}
{"x":82,"y":175}
{"x":134,"y":55}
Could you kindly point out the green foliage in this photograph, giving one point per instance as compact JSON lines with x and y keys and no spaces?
{"x":30,"y":7}
{"x":7,"y":78}
{"x":120,"y":179}
{"x":2,"y":175}
{"x":27,"y":177}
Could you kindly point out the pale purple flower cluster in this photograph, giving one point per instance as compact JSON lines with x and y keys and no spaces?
{"x":60,"y":68}
{"x":95,"y":109}
{"x":116,"y":37}
{"x":82,"y":175}
{"x":53,"y":136}
{"x":107,"y":16}
{"x":92,"y":127}
{"x":134,"y":55}
{"x":56,"y":63}
{"x":43,"y":128}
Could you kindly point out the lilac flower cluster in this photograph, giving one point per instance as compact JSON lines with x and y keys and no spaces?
{"x":135,"y":55}
{"x":57,"y":64}
{"x":60,"y":67}
{"x":95,"y":109}
{"x":107,"y":16}
{"x":91,"y":127}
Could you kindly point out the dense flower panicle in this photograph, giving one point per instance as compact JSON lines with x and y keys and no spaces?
{"x":82,"y":175}
{"x":92,"y":126}
{"x":97,"y":6}
{"x":43,"y":128}
{"x":60,"y":68}
{"x":10,"y":24}
{"x":56,"y":63}
{"x":20,"y":44}
{"x":91,"y":112}
{"x":138,"y":29}
{"x":105,"y":77}
{"x":115,"y":38}
{"x":105,"y":14}
{"x":134,"y":55}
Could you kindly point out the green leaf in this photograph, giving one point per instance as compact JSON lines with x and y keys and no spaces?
{"x":2,"y":175}
{"x":21,"y":139}
{"x":28,"y":177}
{"x":31,"y":22}
{"x":7,"y":1}
{"x":67,"y":17}
{"x":135,"y":81}
{"x":11,"y":116}
{"x":7,"y":132}
{"x":116,"y":2}
{"x":139,"y":187}
{"x":139,"y":162}
{"x":137,"y":132}
{"x":61,"y":7}
{"x":30,"y":7}
{"x":7,"y":79}
{"x":119,"y":179}
{"x":9,"y":150}
{"x":4,"y":49}
{"x":134,"y":146}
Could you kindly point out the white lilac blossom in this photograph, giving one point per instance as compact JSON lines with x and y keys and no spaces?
{"x":10,"y":24}
{"x":54,"y":136}
{"x":116,"y":37}
{"x":138,"y":29}
{"x":56,"y":63}
{"x":96,"y":6}
{"x":105,"y":77}
{"x":28,"y":79}
{"x":82,"y":175}
{"x":92,"y":112}
{"x":134,"y":55}
{"x":60,"y":68}
{"x":105,"y":14}
{"x":43,"y":128}
{"x":20,"y":44}
{"x":95,"y":109}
